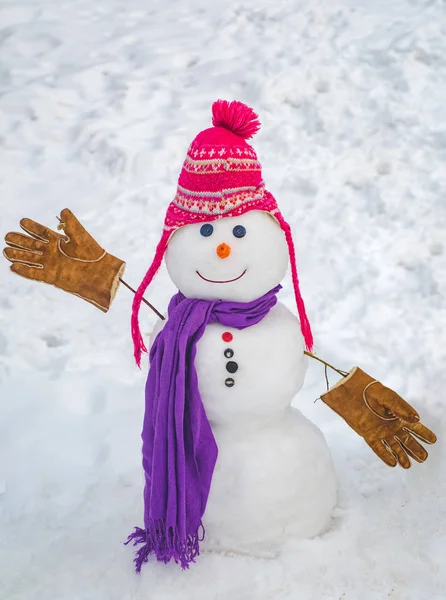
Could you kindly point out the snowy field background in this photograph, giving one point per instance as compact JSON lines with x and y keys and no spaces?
{"x":98,"y":103}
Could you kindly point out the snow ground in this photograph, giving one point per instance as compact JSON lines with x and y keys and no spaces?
{"x":98,"y":103}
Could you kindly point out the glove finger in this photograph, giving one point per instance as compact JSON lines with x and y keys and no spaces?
{"x":29,"y":272}
{"x":38,"y":231}
{"x":400,"y":452}
{"x":422,"y":432}
{"x":68,"y":222}
{"x":81,"y":244}
{"x":384,"y":452}
{"x":396,"y":405}
{"x":26,"y":257}
{"x":403,"y":409}
{"x":73,"y":228}
{"x":24,"y":242}
{"x":412,"y":447}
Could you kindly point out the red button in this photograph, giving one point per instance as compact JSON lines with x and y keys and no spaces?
{"x":227,"y":336}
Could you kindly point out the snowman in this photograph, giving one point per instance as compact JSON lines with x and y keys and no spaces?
{"x":274,"y":478}
{"x":227,"y":248}
{"x":229,"y":464}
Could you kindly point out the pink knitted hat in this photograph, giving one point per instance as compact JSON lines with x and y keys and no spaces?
{"x":221,"y":177}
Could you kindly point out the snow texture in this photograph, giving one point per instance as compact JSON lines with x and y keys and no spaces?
{"x":98,"y":103}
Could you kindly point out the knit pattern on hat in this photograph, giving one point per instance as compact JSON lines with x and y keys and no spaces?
{"x":221,"y":176}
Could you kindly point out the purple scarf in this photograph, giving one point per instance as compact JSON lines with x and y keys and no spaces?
{"x":179,"y":449}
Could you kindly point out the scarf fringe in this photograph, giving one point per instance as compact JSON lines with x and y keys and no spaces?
{"x":165,"y":545}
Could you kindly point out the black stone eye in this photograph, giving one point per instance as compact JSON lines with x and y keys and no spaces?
{"x":206,"y":230}
{"x":239,"y":231}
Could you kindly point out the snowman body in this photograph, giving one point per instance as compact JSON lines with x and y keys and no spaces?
{"x":274,"y":478}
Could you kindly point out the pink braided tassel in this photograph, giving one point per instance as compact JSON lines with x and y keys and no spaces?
{"x":138,"y":343}
{"x":304,"y":322}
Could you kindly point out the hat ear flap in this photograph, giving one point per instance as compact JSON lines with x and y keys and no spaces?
{"x":304,"y":322}
{"x":138,"y":343}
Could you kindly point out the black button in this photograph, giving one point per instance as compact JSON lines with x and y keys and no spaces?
{"x":229,"y":353}
{"x":229,"y":382}
{"x":231,"y":367}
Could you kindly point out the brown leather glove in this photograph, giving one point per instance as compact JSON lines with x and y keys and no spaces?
{"x":73,"y":262}
{"x":388,"y":424}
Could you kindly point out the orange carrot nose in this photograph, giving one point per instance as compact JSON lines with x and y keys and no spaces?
{"x":223,"y":250}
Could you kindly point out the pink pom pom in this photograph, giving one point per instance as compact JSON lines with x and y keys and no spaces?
{"x":235,"y":116}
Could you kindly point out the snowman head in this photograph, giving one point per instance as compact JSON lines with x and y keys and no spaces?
{"x":235,"y":258}
{"x":224,"y":236}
